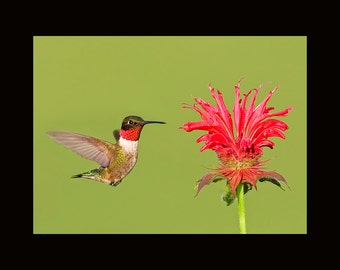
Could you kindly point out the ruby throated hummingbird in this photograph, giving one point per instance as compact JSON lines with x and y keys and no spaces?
{"x":116,"y":160}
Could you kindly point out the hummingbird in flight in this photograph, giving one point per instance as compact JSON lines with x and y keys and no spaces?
{"x":116,"y":160}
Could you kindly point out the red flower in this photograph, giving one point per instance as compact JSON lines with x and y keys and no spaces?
{"x":238,"y":139}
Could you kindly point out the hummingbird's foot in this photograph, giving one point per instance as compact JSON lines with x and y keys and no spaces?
{"x":115,"y":183}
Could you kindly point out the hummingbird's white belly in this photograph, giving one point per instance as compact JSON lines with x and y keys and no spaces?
{"x":122,"y":169}
{"x":131,"y":149}
{"x":128,"y":146}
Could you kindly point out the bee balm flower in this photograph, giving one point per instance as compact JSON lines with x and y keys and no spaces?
{"x":238,"y":139}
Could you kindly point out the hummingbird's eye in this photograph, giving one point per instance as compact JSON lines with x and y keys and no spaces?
{"x":130,"y":122}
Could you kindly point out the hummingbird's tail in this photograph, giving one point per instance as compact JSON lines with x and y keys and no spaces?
{"x":93,"y":174}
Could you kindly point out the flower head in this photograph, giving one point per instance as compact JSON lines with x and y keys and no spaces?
{"x":238,"y":139}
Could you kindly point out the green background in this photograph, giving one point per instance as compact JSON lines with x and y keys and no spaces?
{"x":89,"y":84}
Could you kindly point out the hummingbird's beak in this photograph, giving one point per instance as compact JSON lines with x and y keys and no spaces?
{"x":153,"y":122}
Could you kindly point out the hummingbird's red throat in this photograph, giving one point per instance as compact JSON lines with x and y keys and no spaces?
{"x":131,"y":134}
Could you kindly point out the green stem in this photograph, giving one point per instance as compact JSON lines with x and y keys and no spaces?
{"x":241,"y":211}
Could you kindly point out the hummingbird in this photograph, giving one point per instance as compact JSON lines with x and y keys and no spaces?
{"x":116,"y":160}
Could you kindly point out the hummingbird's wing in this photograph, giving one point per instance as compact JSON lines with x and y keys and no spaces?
{"x":85,"y":146}
{"x":116,"y":134}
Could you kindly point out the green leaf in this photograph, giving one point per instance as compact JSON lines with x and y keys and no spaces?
{"x":206,"y":179}
{"x":228,"y":196}
{"x":247,"y":187}
{"x":271,"y":180}
{"x":274,"y":178}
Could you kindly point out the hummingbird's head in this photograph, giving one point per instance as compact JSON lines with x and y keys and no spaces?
{"x":132,"y":126}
